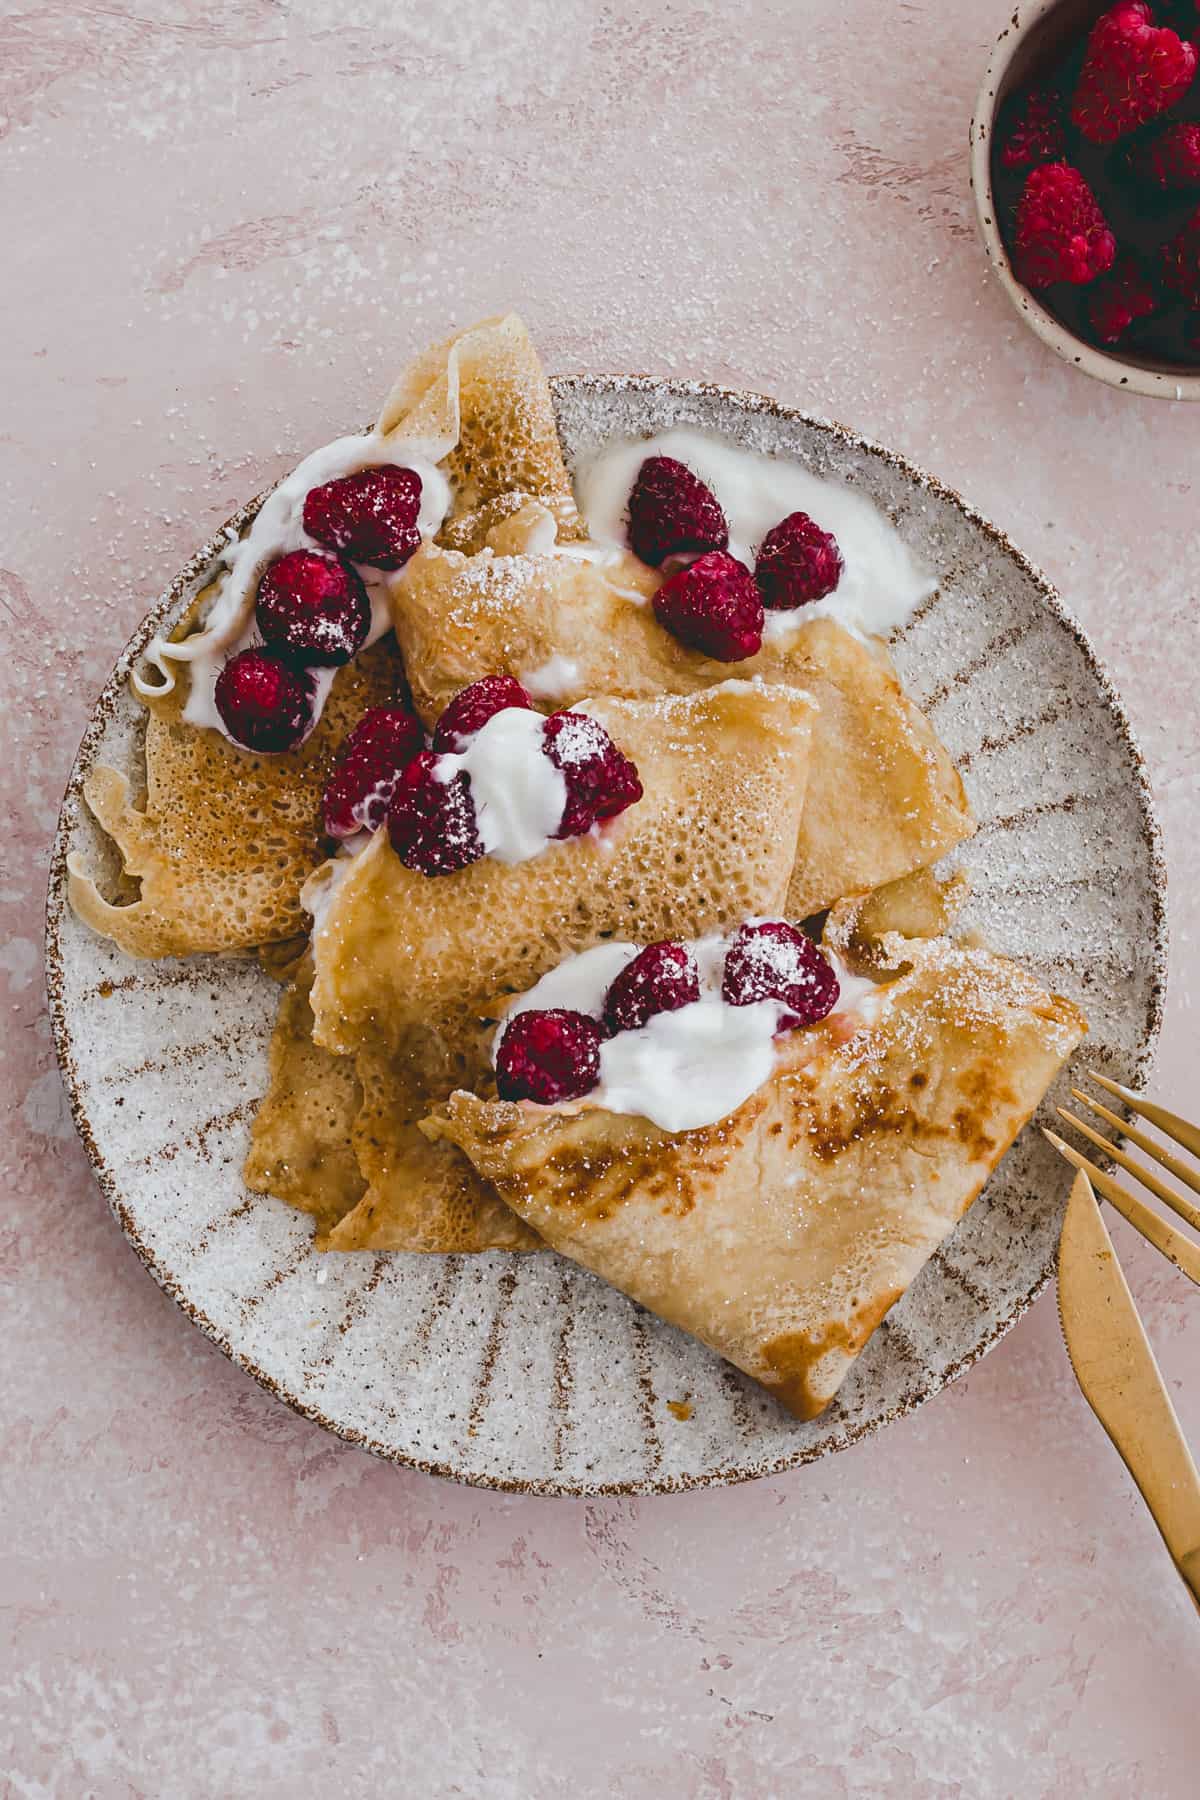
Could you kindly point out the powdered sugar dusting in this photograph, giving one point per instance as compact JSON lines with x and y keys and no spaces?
{"x":1064,"y":876}
{"x":580,"y":739}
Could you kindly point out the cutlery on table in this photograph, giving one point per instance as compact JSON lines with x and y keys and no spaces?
{"x":1107,"y":1345}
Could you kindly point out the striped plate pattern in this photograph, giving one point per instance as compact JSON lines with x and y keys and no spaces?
{"x":523,"y":1372}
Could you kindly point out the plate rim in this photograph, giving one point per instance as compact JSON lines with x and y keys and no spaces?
{"x":747,"y":401}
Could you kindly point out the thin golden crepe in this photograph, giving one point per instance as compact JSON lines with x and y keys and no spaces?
{"x":884,"y":797}
{"x":225,"y":839}
{"x":708,"y":844}
{"x":300,"y":1142}
{"x":339,"y":1137}
{"x":506,"y":436}
{"x":408,"y":966}
{"x":782,"y":1235}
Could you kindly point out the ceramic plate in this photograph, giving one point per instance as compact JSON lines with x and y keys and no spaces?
{"x":524,"y":1372}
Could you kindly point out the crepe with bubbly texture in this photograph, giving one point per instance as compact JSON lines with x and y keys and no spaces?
{"x":221,"y":847}
{"x":222,"y":842}
{"x":884,"y":797}
{"x":781,"y":1235}
{"x":412,"y":970}
{"x":708,"y":844}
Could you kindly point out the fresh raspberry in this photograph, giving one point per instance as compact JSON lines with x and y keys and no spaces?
{"x":359,"y":791}
{"x":265,"y":701}
{"x":661,"y":978}
{"x":548,"y":1056}
{"x":473,"y":706}
{"x":314,"y":607}
{"x":1118,"y":299}
{"x":1133,"y":70}
{"x":370,"y":517}
{"x":431,"y":823}
{"x":1172,"y":160}
{"x":775,"y":961}
{"x":714,"y":606}
{"x":1181,"y":263}
{"x":673,"y":513}
{"x":797,"y":562}
{"x":1039,"y":134}
{"x":1061,"y":233}
{"x":600,"y":781}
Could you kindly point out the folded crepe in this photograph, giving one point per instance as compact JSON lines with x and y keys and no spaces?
{"x":409,"y":967}
{"x":222,"y":841}
{"x":781,"y":1235}
{"x":301,"y":1147}
{"x":708,"y":844}
{"x":338,"y":1137}
{"x":884,"y":797}
{"x":215,"y":856}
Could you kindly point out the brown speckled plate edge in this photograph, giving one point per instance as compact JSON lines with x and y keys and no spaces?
{"x":113,"y":690}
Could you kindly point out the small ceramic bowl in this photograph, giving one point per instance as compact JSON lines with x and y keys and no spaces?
{"x":1035,"y":35}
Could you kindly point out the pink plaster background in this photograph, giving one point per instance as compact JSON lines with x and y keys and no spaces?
{"x":225,"y":226}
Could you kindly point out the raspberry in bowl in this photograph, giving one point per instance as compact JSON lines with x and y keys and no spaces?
{"x":1085,"y":162}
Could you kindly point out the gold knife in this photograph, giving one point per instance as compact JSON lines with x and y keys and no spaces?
{"x":1115,"y":1367}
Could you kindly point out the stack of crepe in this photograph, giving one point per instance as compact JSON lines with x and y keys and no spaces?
{"x":800,"y":782}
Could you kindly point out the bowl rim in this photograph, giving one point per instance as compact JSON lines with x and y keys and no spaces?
{"x":1115,"y":371}
{"x":57,"y":907}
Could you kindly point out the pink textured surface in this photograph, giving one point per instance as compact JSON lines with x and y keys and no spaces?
{"x":227,"y":225}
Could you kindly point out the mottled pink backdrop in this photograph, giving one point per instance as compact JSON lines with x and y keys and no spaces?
{"x":227,"y":222}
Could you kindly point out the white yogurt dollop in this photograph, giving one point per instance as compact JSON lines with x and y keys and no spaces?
{"x":278,"y":528}
{"x":687,"y":1068}
{"x":881,"y":584}
{"x":518,"y":794}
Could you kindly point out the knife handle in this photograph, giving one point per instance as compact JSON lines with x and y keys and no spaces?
{"x":1189,"y":1568}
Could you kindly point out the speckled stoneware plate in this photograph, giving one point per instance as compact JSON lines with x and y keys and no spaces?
{"x":524,"y":1372}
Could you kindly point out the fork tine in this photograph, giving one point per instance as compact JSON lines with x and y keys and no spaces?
{"x":1171,"y":1123}
{"x":1156,"y":1231}
{"x":1170,"y":1163}
{"x":1186,"y":1211}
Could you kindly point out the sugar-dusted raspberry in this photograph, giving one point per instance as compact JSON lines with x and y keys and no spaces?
{"x":1061,"y":233}
{"x":359,"y":792}
{"x":1118,"y":299}
{"x":431,"y":823}
{"x":661,"y":978}
{"x":1039,"y":132}
{"x":797,"y":562}
{"x":714,"y":607}
{"x":369,"y":517}
{"x":601,"y":782}
{"x":775,"y":961}
{"x":473,"y":706}
{"x":548,"y":1056}
{"x":1132,"y":71}
{"x":673,"y":513}
{"x":314,"y":607}
{"x":265,"y":701}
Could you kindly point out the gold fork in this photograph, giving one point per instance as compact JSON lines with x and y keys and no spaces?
{"x":1154,"y":1228}
{"x":1106,"y":1341}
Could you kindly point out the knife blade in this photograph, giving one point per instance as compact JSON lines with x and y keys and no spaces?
{"x":1114,"y":1365}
